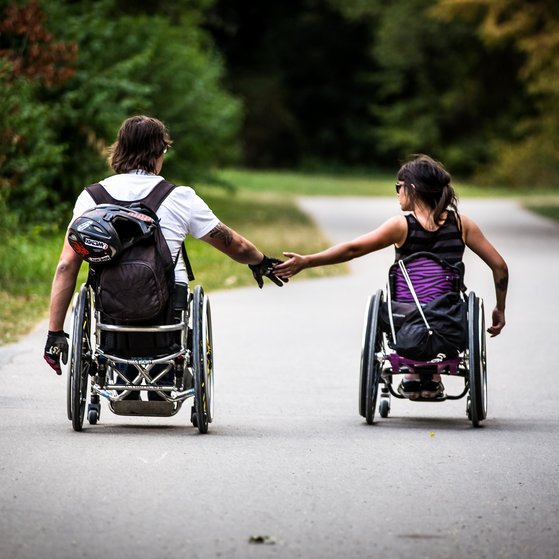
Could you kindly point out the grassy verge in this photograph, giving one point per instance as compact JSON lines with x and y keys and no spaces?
{"x":364,"y":184}
{"x":308,"y":184}
{"x":547,"y":206}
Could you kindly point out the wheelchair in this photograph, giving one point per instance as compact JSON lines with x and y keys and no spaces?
{"x":380,"y":361}
{"x":169,"y":363}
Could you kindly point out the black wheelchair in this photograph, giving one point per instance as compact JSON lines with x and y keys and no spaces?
{"x":380,"y":360}
{"x":168,"y":363}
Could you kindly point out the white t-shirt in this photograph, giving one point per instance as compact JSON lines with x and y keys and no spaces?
{"x":182,"y":213}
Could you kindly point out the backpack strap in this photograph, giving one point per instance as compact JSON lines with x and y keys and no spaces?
{"x":187,"y":265}
{"x":414,"y":295}
{"x":99,"y":194}
{"x":153,"y":201}
{"x":157,"y":195}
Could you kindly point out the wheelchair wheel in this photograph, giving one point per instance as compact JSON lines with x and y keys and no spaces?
{"x":370,"y":364}
{"x":477,"y":408}
{"x":202,"y":361}
{"x":80,"y":361}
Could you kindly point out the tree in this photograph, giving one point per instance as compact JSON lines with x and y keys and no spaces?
{"x":529,"y":154}
{"x":302,"y":70}
{"x":121,"y":65}
{"x":31,"y":62}
{"x":438,"y":89}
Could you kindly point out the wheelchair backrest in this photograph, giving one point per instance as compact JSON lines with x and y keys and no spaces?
{"x":147,"y":344}
{"x":430,"y":276}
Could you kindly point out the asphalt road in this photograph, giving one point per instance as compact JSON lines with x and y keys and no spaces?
{"x":288,"y":458}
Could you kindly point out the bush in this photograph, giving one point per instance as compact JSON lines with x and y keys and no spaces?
{"x":56,"y":129}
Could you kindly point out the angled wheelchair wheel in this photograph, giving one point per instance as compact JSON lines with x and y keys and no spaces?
{"x":202,"y":361}
{"x":80,"y":358}
{"x":477,"y":364}
{"x":370,"y":364}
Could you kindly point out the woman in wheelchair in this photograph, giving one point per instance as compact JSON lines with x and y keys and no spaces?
{"x":432,"y":225}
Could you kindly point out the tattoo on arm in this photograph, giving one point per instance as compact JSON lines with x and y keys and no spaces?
{"x":503,"y":283}
{"x":223,"y":233}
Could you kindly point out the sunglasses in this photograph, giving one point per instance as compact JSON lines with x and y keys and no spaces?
{"x":398,"y":186}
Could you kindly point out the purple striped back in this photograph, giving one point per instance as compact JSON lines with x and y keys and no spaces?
{"x":429,"y":279}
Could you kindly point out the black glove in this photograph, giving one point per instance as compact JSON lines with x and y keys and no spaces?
{"x":265,"y":268}
{"x":57,"y":346}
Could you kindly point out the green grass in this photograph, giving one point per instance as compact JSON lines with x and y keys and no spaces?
{"x":308,"y":184}
{"x":26,"y":267}
{"x":360,"y":183}
{"x":546,"y":206}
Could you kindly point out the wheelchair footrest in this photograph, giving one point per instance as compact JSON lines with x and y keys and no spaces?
{"x":143,"y":408}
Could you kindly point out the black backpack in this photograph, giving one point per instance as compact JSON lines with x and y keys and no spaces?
{"x":138,"y":285}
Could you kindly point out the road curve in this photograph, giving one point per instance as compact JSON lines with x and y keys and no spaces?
{"x":288,"y":458}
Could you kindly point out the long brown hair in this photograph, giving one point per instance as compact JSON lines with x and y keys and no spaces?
{"x":140,"y":142}
{"x":432,"y":184}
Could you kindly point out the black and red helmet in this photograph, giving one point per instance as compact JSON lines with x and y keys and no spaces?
{"x":101,"y":234}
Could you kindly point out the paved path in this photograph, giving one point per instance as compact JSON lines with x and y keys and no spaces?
{"x":288,"y":455}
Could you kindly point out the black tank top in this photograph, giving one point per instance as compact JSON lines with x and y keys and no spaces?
{"x":446,"y":242}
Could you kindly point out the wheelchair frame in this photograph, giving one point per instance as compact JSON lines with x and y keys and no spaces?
{"x":379,"y":364}
{"x":95,"y":371}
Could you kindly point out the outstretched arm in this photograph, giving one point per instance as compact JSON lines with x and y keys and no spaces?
{"x":242,"y":250}
{"x":476,"y":240}
{"x":392,"y":231}
{"x":233,"y":244}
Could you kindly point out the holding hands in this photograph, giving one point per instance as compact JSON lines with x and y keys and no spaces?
{"x":293,"y":265}
{"x":279,"y":271}
{"x":266,"y":268}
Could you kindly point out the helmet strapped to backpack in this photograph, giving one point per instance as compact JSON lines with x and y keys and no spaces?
{"x":101,"y":234}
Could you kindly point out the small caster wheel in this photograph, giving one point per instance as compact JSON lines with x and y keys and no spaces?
{"x":93,"y":413}
{"x":193,"y":417}
{"x":469,"y":408}
{"x":384,"y":407}
{"x":92,"y":417}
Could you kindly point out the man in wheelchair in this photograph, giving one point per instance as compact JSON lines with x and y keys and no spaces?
{"x":434,"y":226}
{"x":137,"y":158}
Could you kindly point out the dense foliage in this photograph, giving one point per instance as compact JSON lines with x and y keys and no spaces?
{"x":281,"y":83}
{"x":369,"y":82}
{"x":104,"y":64}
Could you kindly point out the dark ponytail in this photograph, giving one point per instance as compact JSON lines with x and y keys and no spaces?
{"x":432,"y":184}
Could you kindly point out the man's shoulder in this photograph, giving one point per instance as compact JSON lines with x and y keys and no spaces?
{"x":184,"y":190}
{"x":182,"y":194}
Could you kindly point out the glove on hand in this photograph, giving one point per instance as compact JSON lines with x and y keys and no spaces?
{"x":265,"y":268}
{"x":57,"y":346}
